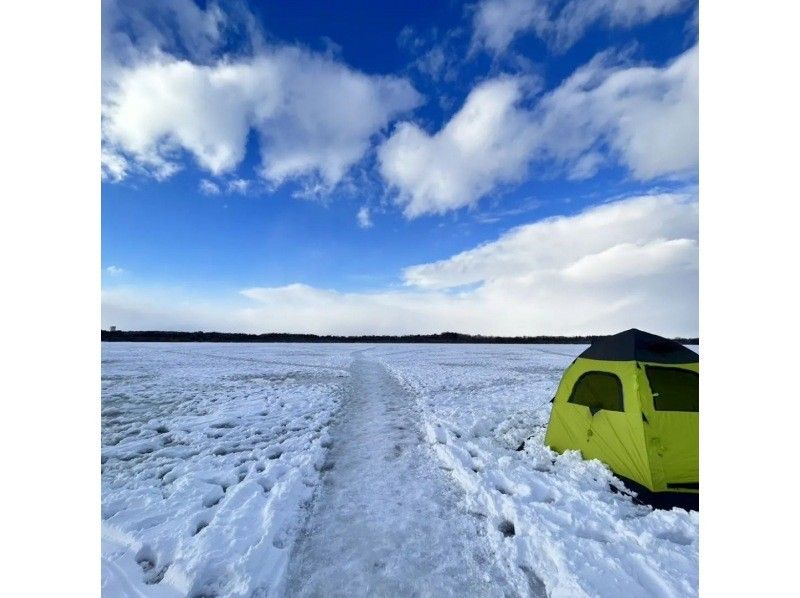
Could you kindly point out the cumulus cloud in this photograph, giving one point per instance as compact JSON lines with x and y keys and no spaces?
{"x":487,"y":142}
{"x":314,"y":117}
{"x":643,"y":117}
{"x":631,"y":262}
{"x":497,"y":22}
{"x":648,"y":116}
{"x":115,"y":270}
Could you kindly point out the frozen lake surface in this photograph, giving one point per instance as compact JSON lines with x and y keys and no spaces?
{"x":354,"y":470}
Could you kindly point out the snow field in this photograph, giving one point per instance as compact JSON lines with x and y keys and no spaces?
{"x":274,"y":470}
{"x":552,"y":517}
{"x":209,"y":455}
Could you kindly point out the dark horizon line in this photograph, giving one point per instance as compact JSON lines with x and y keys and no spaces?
{"x":288,"y":337}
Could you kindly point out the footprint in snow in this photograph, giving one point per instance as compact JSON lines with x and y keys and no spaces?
{"x":201,"y":525}
{"x":506,"y":528}
{"x":503,"y":490}
{"x":212,"y":501}
{"x":327,"y":465}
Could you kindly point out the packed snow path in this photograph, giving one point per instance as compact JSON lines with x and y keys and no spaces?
{"x":386,"y":520}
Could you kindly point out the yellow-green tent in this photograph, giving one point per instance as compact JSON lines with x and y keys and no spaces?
{"x":631,"y":401}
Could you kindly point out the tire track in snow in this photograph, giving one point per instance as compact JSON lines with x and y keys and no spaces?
{"x":386,"y":520}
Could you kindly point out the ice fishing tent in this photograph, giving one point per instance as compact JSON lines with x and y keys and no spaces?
{"x":631,"y":401}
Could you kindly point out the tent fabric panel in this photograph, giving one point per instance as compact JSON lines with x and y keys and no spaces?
{"x":636,"y":345}
{"x":614,"y":437}
{"x":673,"y":438}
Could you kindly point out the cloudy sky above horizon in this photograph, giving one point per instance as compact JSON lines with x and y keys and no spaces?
{"x":497,"y":167}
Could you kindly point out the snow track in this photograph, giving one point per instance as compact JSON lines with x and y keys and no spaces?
{"x":387,"y":520}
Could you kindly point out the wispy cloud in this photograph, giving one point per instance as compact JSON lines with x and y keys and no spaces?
{"x":209,"y":187}
{"x":497,"y":22}
{"x":115,"y":271}
{"x":435,"y":55}
{"x":523,"y":206}
{"x":238,"y":186}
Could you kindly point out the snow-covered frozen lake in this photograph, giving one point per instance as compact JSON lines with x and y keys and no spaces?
{"x":355,"y":470}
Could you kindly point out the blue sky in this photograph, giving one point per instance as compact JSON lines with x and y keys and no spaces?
{"x":498,"y":167}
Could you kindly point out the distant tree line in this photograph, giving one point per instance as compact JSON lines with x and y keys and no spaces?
{"x":162,"y":336}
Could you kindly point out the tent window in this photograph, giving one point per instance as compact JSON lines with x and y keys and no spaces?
{"x":674,"y":389}
{"x":598,"y":390}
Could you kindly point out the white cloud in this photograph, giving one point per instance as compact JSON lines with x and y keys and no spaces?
{"x":433,"y":62}
{"x":166,"y":92}
{"x":647,"y":115}
{"x":115,"y":270}
{"x":238,"y":186}
{"x":497,"y":22}
{"x":436,"y":56}
{"x":632,"y":262}
{"x":113,"y":166}
{"x":586,"y":166}
{"x":643,"y":117}
{"x":563,"y":245}
{"x":487,"y":142}
{"x":314,"y":117}
{"x":364,"y":218}
{"x":209,"y":187}
{"x":629,"y":260}
{"x":130,"y":29}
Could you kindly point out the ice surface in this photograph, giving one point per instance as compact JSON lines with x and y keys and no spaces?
{"x":317,"y":470}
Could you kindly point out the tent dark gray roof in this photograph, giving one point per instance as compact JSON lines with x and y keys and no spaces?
{"x":637,"y":345}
